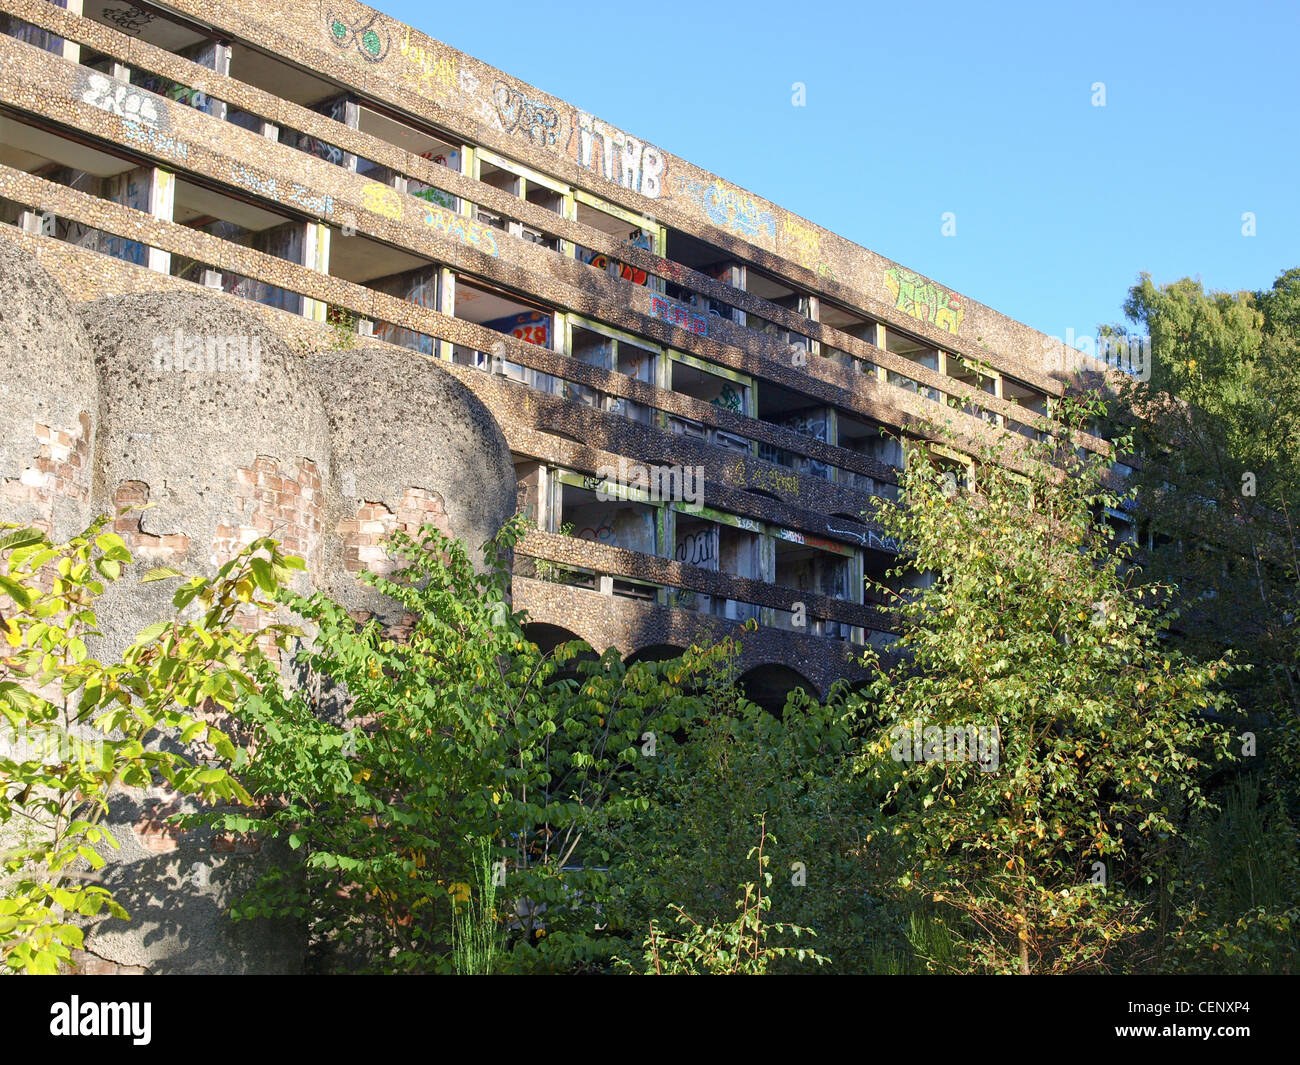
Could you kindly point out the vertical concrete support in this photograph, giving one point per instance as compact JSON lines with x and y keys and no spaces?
{"x":31,"y":222}
{"x":443,"y":349}
{"x":162,"y":201}
{"x":316,"y":256}
{"x":882,"y":375}
{"x":221,"y":64}
{"x":72,"y":50}
{"x":352,"y":119}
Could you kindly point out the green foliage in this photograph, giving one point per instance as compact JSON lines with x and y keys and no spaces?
{"x":1217,"y":429}
{"x":344,"y":324}
{"x":477,"y":941}
{"x":685,"y":841}
{"x":1090,"y":734}
{"x":738,"y":948}
{"x":82,"y":727}
{"x":457,"y":729}
{"x":1236,"y":905}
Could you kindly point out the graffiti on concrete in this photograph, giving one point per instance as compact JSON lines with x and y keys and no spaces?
{"x":924,"y":300}
{"x":129,"y":19}
{"x":697,"y":549}
{"x":120,"y":99}
{"x":872,"y":539}
{"x":143,"y":114}
{"x":532,"y":327}
{"x":728,"y":399}
{"x":314,"y":202}
{"x":427,"y":70}
{"x":466,"y":230}
{"x":368,"y":35}
{"x":620,"y":158}
{"x":768,"y":480}
{"x":475,"y":103}
{"x":679,"y":314}
{"x":602,"y":533}
{"x":730,"y":208}
{"x":536,"y":120}
{"x":382,"y":200}
{"x":803,"y":243}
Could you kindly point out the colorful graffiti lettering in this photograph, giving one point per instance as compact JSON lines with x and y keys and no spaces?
{"x":628,"y":273}
{"x":621,"y":159}
{"x":532,"y":327}
{"x":680,"y":315}
{"x":429,"y":69}
{"x":924,"y":300}
{"x":730,"y":208}
{"x":803,"y":242}
{"x":368,"y":34}
{"x":463,"y":229}
{"x":382,"y":200}
{"x":538,"y":121}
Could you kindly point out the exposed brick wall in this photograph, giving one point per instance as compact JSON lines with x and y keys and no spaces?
{"x":278,"y":502}
{"x":363,"y":535}
{"x":170,"y":547}
{"x":61,"y":469}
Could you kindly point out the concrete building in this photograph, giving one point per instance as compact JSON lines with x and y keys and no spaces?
{"x":701,"y":391}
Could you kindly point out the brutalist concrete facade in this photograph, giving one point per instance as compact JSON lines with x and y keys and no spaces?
{"x":701,"y":392}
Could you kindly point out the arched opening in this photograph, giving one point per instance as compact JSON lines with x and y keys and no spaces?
{"x":548,"y":637}
{"x":657,"y":652}
{"x":768,"y":685}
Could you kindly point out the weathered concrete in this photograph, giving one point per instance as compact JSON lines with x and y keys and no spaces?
{"x":411,"y":444}
{"x":49,"y":399}
{"x":226,"y":445}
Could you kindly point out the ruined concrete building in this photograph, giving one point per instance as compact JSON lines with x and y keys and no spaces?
{"x":700,"y":391}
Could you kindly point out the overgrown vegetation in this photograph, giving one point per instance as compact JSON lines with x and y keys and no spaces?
{"x":1079,"y":757}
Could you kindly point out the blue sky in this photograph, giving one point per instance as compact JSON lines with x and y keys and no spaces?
{"x":914,"y":110}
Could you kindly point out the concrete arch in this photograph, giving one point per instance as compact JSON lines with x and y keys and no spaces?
{"x":654,"y":652}
{"x":768,"y":685}
{"x":548,"y":636}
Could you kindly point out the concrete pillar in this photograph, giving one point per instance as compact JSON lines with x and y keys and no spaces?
{"x":316,"y":256}
{"x":162,"y":201}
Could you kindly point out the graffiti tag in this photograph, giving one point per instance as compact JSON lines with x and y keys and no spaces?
{"x":924,"y":300}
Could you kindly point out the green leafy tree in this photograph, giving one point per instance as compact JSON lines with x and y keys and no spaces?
{"x":404,"y":745}
{"x":1039,"y":738}
{"x":741,"y":947}
{"x":78,"y":727}
{"x":1217,"y":433}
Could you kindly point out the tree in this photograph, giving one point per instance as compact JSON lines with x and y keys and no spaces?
{"x":740,"y":947}
{"x":81,"y":727}
{"x":453,"y":729}
{"x":1040,"y":737}
{"x":1217,"y":433}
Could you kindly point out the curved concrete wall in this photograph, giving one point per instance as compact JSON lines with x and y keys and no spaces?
{"x":192,"y":403}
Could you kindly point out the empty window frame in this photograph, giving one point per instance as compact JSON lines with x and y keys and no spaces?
{"x":609,"y":349}
{"x":791,"y":410}
{"x":500,"y":311}
{"x":518,"y":180}
{"x":715,"y":385}
{"x":604,"y":512}
{"x":620,"y":224}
